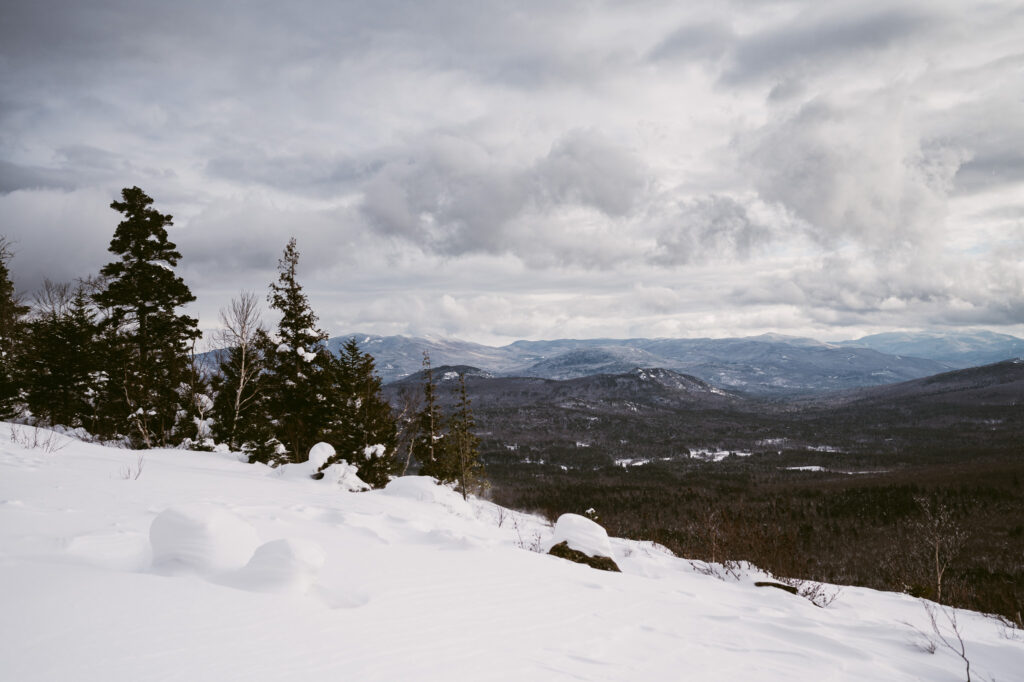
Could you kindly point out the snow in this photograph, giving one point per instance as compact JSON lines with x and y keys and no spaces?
{"x":582,"y":534}
{"x":201,"y":537}
{"x":319,"y":454}
{"x":207,"y":568}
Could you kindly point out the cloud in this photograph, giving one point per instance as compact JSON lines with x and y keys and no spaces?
{"x":452,"y":196}
{"x":856,"y":173}
{"x":710,"y":227}
{"x":816,"y":39}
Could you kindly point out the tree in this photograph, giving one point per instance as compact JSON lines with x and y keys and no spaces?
{"x":148,"y":341}
{"x":239,"y":386}
{"x":62,"y":359}
{"x":429,"y":442}
{"x":12,"y":314}
{"x":363,"y":430}
{"x":941,"y":539}
{"x":463,"y":445}
{"x":299,"y":365}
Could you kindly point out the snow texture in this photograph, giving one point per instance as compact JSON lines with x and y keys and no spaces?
{"x":583,"y":535}
{"x":201,"y":537}
{"x":164,"y":577}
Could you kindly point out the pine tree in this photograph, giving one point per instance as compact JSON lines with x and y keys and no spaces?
{"x":299,"y":366}
{"x":61,"y":360}
{"x":463,"y":445}
{"x":12,"y":314}
{"x":148,"y":342}
{"x":363,"y":431}
{"x":430,"y":445}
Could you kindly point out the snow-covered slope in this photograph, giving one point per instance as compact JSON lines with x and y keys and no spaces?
{"x":204,"y":568}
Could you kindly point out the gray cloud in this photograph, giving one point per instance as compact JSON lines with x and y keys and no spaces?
{"x":453,"y":197}
{"x":819,"y":37}
{"x":714,"y":226}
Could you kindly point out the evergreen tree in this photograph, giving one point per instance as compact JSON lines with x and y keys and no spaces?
{"x":463,"y":445}
{"x":299,"y":366}
{"x":61,"y":360}
{"x":363,"y":431}
{"x":12,"y":314}
{"x":147,"y":341}
{"x":430,"y":444}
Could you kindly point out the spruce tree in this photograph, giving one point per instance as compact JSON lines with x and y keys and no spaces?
{"x":362,"y":418}
{"x":463,"y":445}
{"x":299,"y":366}
{"x":147,"y":340}
{"x":12,"y":314}
{"x":430,"y":445}
{"x":61,"y":358}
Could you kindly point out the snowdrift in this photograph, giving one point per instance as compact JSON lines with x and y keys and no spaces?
{"x":205,"y":568}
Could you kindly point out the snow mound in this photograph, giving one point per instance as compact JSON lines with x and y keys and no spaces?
{"x":286,"y":565}
{"x":583,"y":535}
{"x":319,"y":454}
{"x":345,"y":476}
{"x":427,"y":489}
{"x":201,"y":537}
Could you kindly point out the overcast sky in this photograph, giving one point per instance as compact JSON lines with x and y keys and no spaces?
{"x":503,"y":170}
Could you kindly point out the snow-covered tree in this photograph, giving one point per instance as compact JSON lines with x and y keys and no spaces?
{"x":362,"y":430}
{"x":147,"y":340}
{"x":298,"y":365}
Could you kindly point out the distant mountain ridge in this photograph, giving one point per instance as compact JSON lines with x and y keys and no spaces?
{"x":769,"y":364}
{"x":957,"y":349}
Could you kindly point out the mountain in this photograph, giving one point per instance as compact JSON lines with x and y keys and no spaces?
{"x":764,"y":365}
{"x":1000,"y":384}
{"x":660,"y":389}
{"x":956,"y":349}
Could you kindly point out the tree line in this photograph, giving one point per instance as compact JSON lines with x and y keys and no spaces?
{"x":113,"y":354}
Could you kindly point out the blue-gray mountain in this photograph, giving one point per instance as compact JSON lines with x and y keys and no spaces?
{"x":765,"y":365}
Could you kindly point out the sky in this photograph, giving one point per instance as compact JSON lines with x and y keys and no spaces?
{"x":496,"y":171}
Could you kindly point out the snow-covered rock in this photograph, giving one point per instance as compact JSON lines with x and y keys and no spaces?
{"x":319,"y":454}
{"x":345,"y":476}
{"x":201,"y":537}
{"x":427,"y":489}
{"x":583,"y":535}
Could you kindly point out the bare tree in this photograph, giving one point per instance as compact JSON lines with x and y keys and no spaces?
{"x":934,"y":637}
{"x":942,"y":537}
{"x":242,"y":326}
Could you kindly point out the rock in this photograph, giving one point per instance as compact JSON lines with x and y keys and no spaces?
{"x":602,"y":563}
{"x":583,"y":535}
{"x":778,"y":586}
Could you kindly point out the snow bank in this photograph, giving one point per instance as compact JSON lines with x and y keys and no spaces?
{"x":583,"y":535}
{"x":201,"y":537}
{"x":427,"y":489}
{"x":286,"y":565}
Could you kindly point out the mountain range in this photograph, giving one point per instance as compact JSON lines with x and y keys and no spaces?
{"x":769,"y":364}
